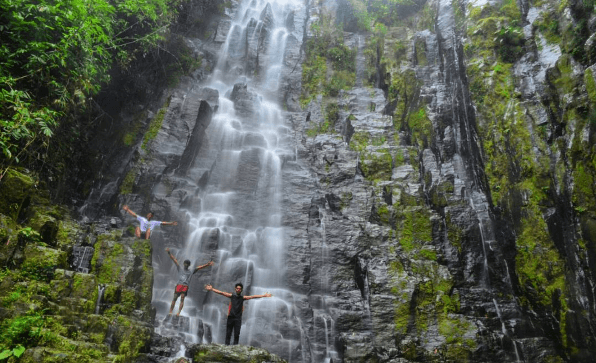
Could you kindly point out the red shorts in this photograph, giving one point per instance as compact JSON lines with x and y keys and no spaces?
{"x":181,"y":289}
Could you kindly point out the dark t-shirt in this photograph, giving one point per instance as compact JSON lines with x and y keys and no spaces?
{"x":236,"y":305}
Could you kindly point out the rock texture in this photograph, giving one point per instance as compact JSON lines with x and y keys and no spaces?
{"x":446,"y":213}
{"x":51,"y":308}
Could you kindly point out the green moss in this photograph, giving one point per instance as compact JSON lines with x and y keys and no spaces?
{"x":15,"y":189}
{"x":420,"y":49}
{"x":329,"y":65}
{"x":548,"y":25}
{"x":538,"y":265}
{"x":454,"y":233}
{"x":104,"y":261}
{"x":384,"y":213}
{"x":40,"y":262}
{"x":427,"y":254}
{"x":155,"y":125}
{"x":360,"y":141}
{"x":584,"y":192}
{"x":376,"y":166}
{"x":84,"y":286}
{"x":590,"y":86}
{"x":346,"y":198}
{"x":420,"y":126}
{"x":313,"y":77}
{"x":564,"y":77}
{"x":402,"y":317}
{"x":414,"y":228}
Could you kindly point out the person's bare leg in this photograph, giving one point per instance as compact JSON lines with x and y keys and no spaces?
{"x":138,"y":232}
{"x":148,"y":233}
{"x":181,"y":303}
{"x":173,"y":304}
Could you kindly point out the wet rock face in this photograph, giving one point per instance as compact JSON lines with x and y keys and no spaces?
{"x":399,"y":241}
{"x":246,"y":103}
{"x":222,"y":353}
{"x":89,"y":285}
{"x":405,"y":250}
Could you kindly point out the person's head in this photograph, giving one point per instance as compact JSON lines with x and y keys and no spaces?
{"x":186,"y":264}
{"x":149,"y":215}
{"x":238,"y":288}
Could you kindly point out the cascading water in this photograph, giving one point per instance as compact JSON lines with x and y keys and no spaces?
{"x":100,"y":290}
{"x":238,"y":222}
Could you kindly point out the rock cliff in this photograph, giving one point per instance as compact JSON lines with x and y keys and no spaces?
{"x":413,"y":180}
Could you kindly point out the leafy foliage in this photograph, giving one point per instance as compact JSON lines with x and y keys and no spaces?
{"x":372,"y":13}
{"x":55,"y":55}
{"x":330,"y":65}
{"x":21,"y":332}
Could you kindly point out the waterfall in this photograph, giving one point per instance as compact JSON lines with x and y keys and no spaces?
{"x":100,"y":289}
{"x":239,"y":220}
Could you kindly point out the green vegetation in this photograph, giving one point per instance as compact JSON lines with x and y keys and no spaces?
{"x":374,"y":13}
{"x":155,"y":125}
{"x":518,"y":153}
{"x":22,"y":332}
{"x":330,"y":66}
{"x":496,"y":31}
{"x":55,"y":56}
{"x":48,"y":311}
{"x":331,"y":116}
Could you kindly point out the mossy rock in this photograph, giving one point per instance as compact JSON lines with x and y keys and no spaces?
{"x":53,"y":355}
{"x":67,"y":233}
{"x":41,"y":262}
{"x":61,"y":285}
{"x":233,"y":354}
{"x":376,"y":166}
{"x":131,"y":337}
{"x":8,"y":238}
{"x":84,"y":286}
{"x":15,"y":190}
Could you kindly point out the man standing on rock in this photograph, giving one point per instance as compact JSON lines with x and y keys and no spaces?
{"x":235,"y":309}
{"x":184,"y":277}
{"x":146,"y":224}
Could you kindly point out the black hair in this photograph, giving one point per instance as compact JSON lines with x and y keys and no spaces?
{"x":187,"y":262}
{"x":239,"y":284}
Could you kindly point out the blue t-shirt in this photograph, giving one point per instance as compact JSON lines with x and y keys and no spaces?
{"x":147,"y":224}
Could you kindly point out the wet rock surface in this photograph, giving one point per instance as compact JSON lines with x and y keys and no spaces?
{"x":396,"y":246}
{"x":223,"y":353}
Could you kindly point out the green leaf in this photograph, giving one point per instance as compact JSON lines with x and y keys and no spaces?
{"x":5,"y":354}
{"x":18,"y":350}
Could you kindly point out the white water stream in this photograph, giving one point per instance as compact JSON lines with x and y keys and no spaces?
{"x":238,"y":223}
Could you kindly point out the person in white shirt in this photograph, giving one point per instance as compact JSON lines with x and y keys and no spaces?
{"x":146,"y":224}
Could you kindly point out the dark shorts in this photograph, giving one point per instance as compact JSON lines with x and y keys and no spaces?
{"x":181,"y":289}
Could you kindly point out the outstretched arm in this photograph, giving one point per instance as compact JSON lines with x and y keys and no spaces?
{"x":210,"y":288}
{"x":257,"y":296}
{"x":172,"y":256}
{"x":170,"y":223}
{"x":125,"y":207}
{"x":210,"y":263}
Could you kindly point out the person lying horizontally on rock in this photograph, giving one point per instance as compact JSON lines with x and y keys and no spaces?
{"x":235,"y":309}
{"x":146,"y":224}
{"x":184,"y":276}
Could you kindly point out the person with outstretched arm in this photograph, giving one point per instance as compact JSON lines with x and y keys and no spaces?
{"x":146,"y":224}
{"x":235,"y":309}
{"x":184,"y":276}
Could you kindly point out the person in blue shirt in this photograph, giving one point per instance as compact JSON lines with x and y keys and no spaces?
{"x":146,"y":224}
{"x":235,"y":309}
{"x":184,"y":276}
